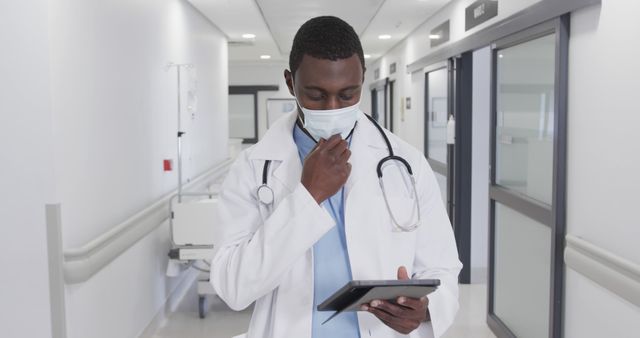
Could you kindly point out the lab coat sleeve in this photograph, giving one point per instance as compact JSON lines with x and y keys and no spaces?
{"x":436,"y":254}
{"x":254,"y":255}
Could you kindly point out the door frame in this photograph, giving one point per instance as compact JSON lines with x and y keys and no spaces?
{"x":553,"y":216}
{"x":461,"y":160}
{"x":380,"y":87}
{"x":390,"y":92}
{"x":457,"y":170}
{"x":437,"y":166}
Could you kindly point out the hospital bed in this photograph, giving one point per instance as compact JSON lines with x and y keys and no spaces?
{"x":193,"y":234}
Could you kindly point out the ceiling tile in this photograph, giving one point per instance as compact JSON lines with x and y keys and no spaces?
{"x":275,"y":22}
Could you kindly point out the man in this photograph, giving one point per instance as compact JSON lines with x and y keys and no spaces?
{"x":302,"y":211}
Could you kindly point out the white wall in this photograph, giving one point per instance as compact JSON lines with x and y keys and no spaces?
{"x":114,"y":111}
{"x":267,"y":73}
{"x":26,"y":176}
{"x":88,"y":115}
{"x":603,"y":164}
{"x":114,"y":105}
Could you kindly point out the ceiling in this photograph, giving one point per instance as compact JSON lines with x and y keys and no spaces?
{"x":275,"y":22}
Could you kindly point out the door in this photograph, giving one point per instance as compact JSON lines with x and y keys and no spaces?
{"x":436,"y":115}
{"x":527,"y":190}
{"x":390,"y":102}
{"x":382,"y":102}
{"x":448,"y":94}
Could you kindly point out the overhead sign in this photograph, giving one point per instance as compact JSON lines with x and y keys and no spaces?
{"x":440,"y":34}
{"x":479,"y":12}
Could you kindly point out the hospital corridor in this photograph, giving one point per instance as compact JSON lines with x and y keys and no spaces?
{"x":319,"y":169}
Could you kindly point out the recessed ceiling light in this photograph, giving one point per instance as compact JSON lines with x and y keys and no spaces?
{"x":434,"y":36}
{"x":384,"y":37}
{"x":367,"y":56}
{"x":265,"y":57}
{"x":248,"y":36}
{"x":500,"y":55}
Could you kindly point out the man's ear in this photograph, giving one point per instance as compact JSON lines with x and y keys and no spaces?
{"x":288,"y":78}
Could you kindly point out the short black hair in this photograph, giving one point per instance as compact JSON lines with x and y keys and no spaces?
{"x":325,"y":37}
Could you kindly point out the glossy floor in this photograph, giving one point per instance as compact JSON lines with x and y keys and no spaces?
{"x":221,"y":322}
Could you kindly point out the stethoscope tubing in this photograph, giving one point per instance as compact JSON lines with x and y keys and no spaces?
{"x":390,"y":157}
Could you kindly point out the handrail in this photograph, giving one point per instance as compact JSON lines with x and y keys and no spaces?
{"x":83,"y":262}
{"x":619,"y":275}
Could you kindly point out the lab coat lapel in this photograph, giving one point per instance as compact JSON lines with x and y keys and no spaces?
{"x":361,"y":158}
{"x":278,"y":145}
{"x":367,"y":149}
{"x":289,"y":171}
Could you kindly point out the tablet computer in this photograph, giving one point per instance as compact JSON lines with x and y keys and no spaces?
{"x":355,"y":293}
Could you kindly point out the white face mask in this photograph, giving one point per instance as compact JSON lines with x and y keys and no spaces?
{"x":326,"y":123}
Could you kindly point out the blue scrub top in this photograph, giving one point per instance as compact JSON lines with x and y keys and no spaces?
{"x":331,"y":269}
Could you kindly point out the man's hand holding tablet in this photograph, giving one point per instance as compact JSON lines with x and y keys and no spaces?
{"x":400,"y":304}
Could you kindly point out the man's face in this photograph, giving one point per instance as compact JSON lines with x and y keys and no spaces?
{"x":324,"y":84}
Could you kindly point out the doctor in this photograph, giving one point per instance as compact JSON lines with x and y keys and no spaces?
{"x":303,"y":211}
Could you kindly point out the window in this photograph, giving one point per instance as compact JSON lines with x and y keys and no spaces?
{"x":243,"y":111}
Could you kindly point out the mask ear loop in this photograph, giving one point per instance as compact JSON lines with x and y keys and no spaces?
{"x":304,"y":130}
{"x":299,"y":117}
{"x":295,"y":97}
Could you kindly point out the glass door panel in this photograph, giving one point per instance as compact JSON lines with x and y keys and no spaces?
{"x":437,"y":102}
{"x":525,"y":114}
{"x":522,"y":273}
{"x":382,"y":107}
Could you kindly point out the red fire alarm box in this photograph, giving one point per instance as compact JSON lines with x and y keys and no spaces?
{"x":168,"y":165}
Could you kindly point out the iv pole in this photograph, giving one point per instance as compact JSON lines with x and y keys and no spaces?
{"x":179,"y":67}
{"x":186,"y":252}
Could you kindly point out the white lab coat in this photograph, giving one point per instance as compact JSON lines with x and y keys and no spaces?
{"x":266,"y":255}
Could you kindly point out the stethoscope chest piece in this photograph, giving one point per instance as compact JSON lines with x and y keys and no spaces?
{"x":265,"y":194}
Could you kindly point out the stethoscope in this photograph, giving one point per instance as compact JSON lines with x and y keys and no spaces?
{"x":267,"y":197}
